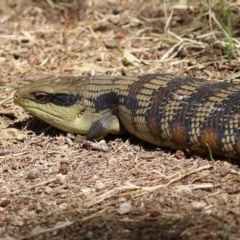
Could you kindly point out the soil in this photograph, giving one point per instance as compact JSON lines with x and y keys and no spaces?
{"x":52,"y":188}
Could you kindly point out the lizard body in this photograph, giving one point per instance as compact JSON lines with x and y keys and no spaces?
{"x":162,"y":109}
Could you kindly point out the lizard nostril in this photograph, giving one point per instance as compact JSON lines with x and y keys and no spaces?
{"x":16,"y":97}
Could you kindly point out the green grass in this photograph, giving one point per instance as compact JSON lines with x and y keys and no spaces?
{"x":125,"y":61}
{"x":223,"y":17}
{"x":210,"y":153}
{"x":225,"y":232}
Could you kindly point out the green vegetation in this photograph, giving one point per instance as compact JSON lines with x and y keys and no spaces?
{"x":210,"y":153}
{"x":220,"y":12}
{"x":125,"y":61}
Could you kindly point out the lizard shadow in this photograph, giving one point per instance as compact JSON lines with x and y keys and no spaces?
{"x":38,"y":126}
{"x":148,"y":147}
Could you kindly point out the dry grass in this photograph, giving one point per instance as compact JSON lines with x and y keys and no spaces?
{"x":51,"y":189}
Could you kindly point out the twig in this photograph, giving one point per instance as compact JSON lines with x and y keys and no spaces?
{"x":60,"y":225}
{"x":139,"y":190}
{"x":36,"y":185}
{"x":145,"y":190}
{"x":9,"y":152}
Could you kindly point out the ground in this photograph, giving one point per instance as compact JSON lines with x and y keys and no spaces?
{"x":53,"y":189}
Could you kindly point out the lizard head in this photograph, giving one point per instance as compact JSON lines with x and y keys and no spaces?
{"x":55,"y":101}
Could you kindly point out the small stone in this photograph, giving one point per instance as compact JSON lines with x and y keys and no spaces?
{"x":124,"y":208}
{"x":48,"y":189}
{"x":21,"y":137}
{"x":63,"y":206}
{"x":109,"y":44}
{"x":4,"y":203}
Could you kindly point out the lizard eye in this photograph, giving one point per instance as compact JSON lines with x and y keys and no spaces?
{"x":41,"y":96}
